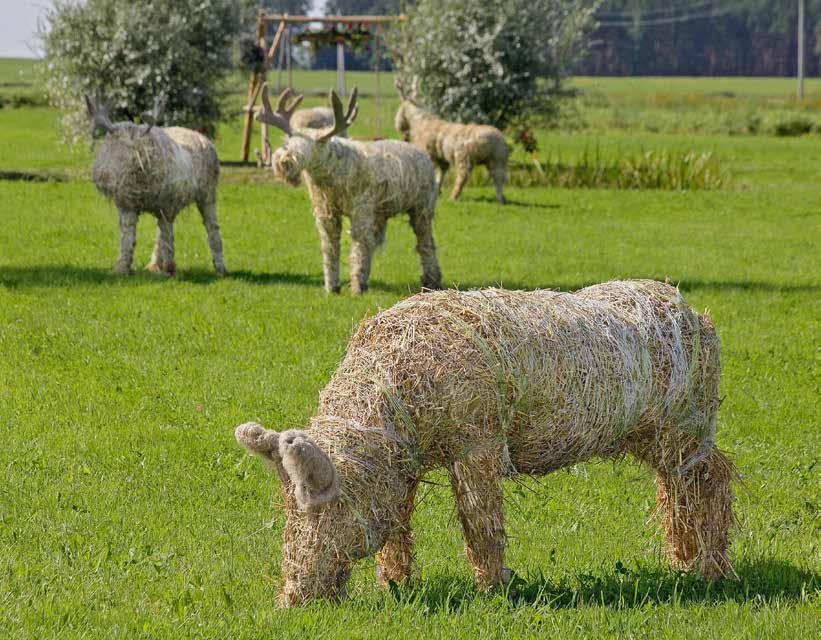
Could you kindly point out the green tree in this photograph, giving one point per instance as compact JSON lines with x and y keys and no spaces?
{"x":490,"y":61}
{"x":134,"y":52}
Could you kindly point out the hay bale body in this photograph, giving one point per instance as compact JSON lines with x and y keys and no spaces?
{"x":462,"y":145}
{"x":368,"y":182}
{"x":159,"y":171}
{"x":490,"y":383}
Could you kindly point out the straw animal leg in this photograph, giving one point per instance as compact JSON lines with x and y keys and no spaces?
{"x":395,"y":560}
{"x":208,"y":211}
{"x":330,"y":229}
{"x":363,"y":244}
{"x":697,"y":509}
{"x":498,"y":171}
{"x":422,"y":224}
{"x":463,"y":171}
{"x":128,"y":239}
{"x":477,"y":486}
{"x":441,"y":170}
{"x":162,"y":259}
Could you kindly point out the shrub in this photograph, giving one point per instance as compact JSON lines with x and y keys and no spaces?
{"x":489,"y":61}
{"x":664,"y":170}
{"x":135,"y":51}
{"x":795,"y":126}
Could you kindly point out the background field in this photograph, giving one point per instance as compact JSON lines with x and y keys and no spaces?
{"x":127,"y":510}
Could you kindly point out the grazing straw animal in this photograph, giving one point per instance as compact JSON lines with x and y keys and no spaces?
{"x":367,"y":181}
{"x":492,"y":383}
{"x":158,"y":170}
{"x":462,"y":145}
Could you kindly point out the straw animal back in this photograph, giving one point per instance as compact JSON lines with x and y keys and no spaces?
{"x":558,"y":377}
{"x":315,"y":118}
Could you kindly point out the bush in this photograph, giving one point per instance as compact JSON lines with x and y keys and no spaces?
{"x":135,"y":51}
{"x":663,"y":170}
{"x":497,"y":62}
{"x":795,"y":126}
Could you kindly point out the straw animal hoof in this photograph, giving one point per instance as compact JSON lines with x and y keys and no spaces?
{"x":121,"y":271}
{"x":169,"y":270}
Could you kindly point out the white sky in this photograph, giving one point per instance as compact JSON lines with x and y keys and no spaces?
{"x":19,"y":23}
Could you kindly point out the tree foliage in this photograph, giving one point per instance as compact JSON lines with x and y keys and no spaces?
{"x":489,"y":61}
{"x":134,"y":52}
{"x":702,"y":37}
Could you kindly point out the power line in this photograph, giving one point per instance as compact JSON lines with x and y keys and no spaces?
{"x":716,"y":13}
{"x":652,"y":12}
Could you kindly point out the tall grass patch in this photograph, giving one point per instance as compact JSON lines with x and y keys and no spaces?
{"x":654,"y":169}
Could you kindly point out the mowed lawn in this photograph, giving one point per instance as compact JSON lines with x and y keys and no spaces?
{"x":128,"y":511}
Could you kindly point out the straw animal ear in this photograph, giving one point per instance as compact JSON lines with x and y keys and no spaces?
{"x":98,"y":114}
{"x":259,"y":441}
{"x":310,"y":469}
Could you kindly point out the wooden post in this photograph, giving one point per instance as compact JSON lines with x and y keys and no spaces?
{"x":340,"y":69}
{"x":800,"y":49}
{"x":252,"y":89}
{"x":288,"y":52}
{"x":376,"y":54}
{"x":257,"y":80}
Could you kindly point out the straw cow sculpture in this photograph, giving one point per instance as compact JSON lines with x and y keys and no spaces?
{"x":156,"y":170}
{"x":463,"y":146}
{"x":488,"y":384}
{"x":369,"y":182}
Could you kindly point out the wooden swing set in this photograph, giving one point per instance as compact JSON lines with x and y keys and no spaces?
{"x":284,"y":21}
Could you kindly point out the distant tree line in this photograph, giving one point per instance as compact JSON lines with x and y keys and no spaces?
{"x":712,"y":38}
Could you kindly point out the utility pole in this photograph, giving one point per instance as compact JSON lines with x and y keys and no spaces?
{"x":800,"y":49}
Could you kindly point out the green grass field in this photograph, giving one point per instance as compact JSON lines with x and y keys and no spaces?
{"x":128,"y":511}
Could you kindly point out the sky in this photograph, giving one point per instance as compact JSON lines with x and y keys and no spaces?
{"x":19,"y":24}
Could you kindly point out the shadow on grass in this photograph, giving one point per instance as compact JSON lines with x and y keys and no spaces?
{"x":513,"y":203}
{"x":33,"y":176}
{"x":620,"y":588}
{"x":68,"y":275}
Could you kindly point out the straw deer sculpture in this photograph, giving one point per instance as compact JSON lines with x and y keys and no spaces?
{"x":369,"y":182}
{"x":157,"y":170}
{"x":489,"y":384}
{"x":463,"y":146}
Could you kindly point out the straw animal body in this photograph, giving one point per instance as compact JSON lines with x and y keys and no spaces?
{"x":490,"y":383}
{"x":142,"y":168}
{"x":463,"y":146}
{"x":369,"y":182}
{"x":315,"y":118}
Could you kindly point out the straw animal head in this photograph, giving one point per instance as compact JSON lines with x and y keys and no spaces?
{"x":339,"y":500}
{"x":98,"y":115}
{"x":300,"y":149}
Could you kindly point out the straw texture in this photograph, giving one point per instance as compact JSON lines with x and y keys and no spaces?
{"x":491,"y":383}
{"x":463,"y":146}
